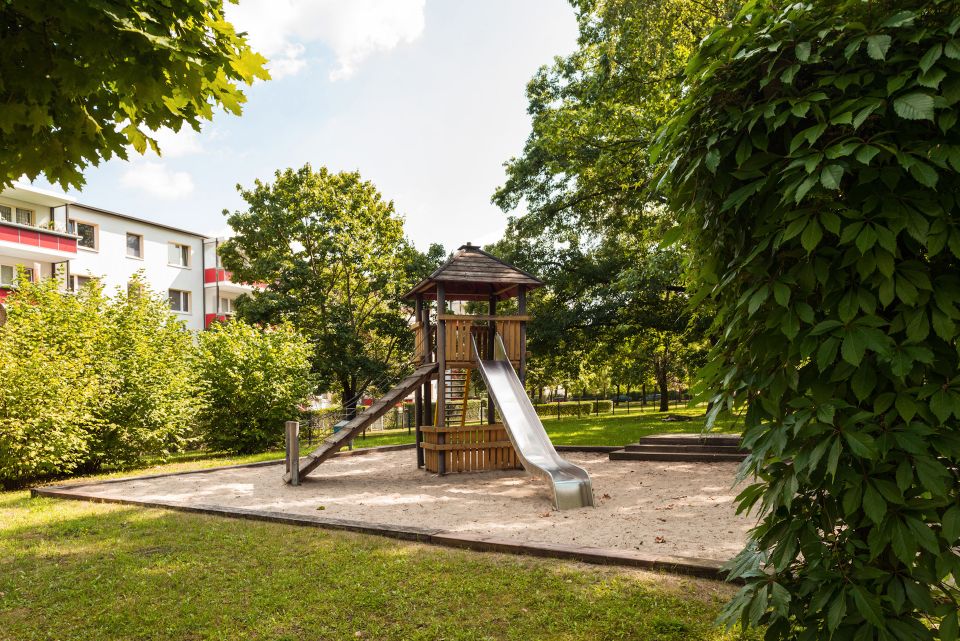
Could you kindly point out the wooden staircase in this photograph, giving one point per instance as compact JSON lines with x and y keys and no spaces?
{"x":339,"y":439}
{"x":457,"y":389}
{"x":691,"y":448}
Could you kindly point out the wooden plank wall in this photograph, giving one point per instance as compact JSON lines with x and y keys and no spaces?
{"x":470,"y":448}
{"x":510,"y":333}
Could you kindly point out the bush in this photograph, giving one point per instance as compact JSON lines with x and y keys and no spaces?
{"x":146,"y":372}
{"x":815,"y":161}
{"x":48,"y":355}
{"x":567,"y":408}
{"x":253,"y":380}
{"x":87,"y":381}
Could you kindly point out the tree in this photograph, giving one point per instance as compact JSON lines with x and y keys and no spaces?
{"x":253,"y":380}
{"x":335,"y":262}
{"x":816,"y":161}
{"x":82,"y":81}
{"x":592,"y":229}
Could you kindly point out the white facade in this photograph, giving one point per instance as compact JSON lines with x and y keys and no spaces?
{"x":120,"y":246}
{"x":50,"y":235}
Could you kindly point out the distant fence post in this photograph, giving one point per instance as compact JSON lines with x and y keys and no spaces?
{"x":293,"y":451}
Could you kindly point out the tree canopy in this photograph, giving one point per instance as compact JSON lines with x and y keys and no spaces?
{"x":815,"y":160}
{"x":80,"y":82}
{"x":334,"y":261}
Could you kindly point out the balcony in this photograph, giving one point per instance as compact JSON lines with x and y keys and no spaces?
{"x":224,"y":280}
{"x":40,"y":244}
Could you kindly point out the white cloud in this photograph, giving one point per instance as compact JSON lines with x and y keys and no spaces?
{"x":157,"y":180}
{"x":353,"y":30}
{"x":175,"y":144}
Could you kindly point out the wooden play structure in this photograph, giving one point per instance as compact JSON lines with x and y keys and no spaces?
{"x":444,"y":358}
{"x":449,"y":347}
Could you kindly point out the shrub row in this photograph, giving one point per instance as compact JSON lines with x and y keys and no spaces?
{"x":88,"y":381}
{"x":573,"y":408}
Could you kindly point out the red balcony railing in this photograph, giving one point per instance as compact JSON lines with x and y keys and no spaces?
{"x":36,"y":237}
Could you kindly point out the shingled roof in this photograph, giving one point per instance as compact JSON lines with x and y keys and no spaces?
{"x":473,"y":274}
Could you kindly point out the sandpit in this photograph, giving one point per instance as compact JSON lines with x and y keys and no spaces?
{"x":660,"y":508}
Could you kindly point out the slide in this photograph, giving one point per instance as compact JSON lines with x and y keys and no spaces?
{"x":571,"y":484}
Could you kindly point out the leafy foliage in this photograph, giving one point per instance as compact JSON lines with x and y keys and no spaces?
{"x":87,"y":381}
{"x":253,"y":380}
{"x":82,"y":81}
{"x":335,"y":262}
{"x":591,"y":230}
{"x":815,"y":160}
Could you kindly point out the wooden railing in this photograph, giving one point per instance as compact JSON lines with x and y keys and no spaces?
{"x":461,"y":328}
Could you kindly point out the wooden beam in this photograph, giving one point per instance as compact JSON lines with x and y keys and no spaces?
{"x":442,"y":370}
{"x":484,"y":317}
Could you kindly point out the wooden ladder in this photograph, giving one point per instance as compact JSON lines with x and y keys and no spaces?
{"x":457,"y":392}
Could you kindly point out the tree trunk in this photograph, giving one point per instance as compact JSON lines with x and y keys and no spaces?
{"x":664,"y":390}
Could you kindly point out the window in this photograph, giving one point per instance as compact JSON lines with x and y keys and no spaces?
{"x":8,"y":275}
{"x":87,"y":233}
{"x":78,"y":282}
{"x":179,"y":254}
{"x":134,"y":245}
{"x":25,"y":216}
{"x":6,"y":213}
{"x":180,"y":301}
{"x":226,"y":306}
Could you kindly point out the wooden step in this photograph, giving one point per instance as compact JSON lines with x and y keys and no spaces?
{"x":678,"y":457}
{"x":689,"y":439}
{"x":703,"y":449}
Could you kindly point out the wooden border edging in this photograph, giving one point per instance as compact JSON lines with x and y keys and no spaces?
{"x":690,"y":566}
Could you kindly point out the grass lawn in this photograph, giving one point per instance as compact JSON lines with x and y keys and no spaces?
{"x":606,"y":429}
{"x":81,"y":571}
{"x":74,"y":570}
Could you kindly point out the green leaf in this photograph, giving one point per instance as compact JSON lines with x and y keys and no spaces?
{"x":837,"y":611}
{"x":931,"y":56}
{"x":914,"y":106}
{"x":868,"y":605}
{"x":873,"y":505}
{"x":861,"y":444}
{"x":899,"y":19}
{"x":831,"y":175}
{"x":952,"y":49}
{"x":781,"y":293}
{"x":811,"y":236}
{"x":712,"y":160}
{"x":867,"y":153}
{"x":863,"y":382}
{"x":950,"y":527}
{"x":877,"y":46}
{"x":803,"y":51}
{"x":949,"y":627}
{"x":941,"y":405}
{"x":924,"y":174}
{"x":853,"y":348}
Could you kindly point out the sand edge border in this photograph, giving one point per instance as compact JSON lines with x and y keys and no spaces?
{"x":690,"y":566}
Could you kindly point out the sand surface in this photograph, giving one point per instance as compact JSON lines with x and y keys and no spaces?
{"x":680,"y":509}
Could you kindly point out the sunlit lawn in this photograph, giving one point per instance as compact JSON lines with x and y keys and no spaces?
{"x":617,"y":429}
{"x":89,"y":572}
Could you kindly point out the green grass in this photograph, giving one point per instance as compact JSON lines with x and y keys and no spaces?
{"x":83,"y":571}
{"x":606,"y":429}
{"x":75,"y":570}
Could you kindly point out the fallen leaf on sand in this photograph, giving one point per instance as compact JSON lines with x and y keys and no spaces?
{"x":544,"y":515}
{"x":322,"y":507}
{"x":659,"y":539}
{"x":605,"y":496}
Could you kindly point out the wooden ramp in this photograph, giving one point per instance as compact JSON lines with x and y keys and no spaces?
{"x":339,"y":439}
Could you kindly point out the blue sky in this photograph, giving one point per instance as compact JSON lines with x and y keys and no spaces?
{"x":424,"y":97}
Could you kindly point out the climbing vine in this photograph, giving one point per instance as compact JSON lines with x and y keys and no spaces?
{"x":815,"y":163}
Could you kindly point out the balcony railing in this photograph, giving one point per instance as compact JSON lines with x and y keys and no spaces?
{"x":44,"y":237}
{"x":462,"y":330}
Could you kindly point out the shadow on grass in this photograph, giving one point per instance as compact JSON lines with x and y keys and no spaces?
{"x":74,"y":570}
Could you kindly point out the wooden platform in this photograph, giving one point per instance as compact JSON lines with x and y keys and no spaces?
{"x":692,"y":448}
{"x":470,"y":448}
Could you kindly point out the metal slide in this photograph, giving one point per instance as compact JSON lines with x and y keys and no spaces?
{"x":571,"y":484}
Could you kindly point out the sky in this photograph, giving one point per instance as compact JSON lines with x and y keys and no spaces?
{"x":426,"y":98}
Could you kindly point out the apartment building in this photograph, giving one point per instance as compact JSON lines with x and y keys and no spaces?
{"x":51,"y":235}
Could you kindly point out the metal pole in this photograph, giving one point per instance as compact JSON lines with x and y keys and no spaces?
{"x":293,"y":451}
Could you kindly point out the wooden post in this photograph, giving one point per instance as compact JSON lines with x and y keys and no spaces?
{"x":522,"y":309}
{"x":441,"y":375}
{"x":491,"y":339}
{"x":293,"y":451}
{"x":423,"y":318}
